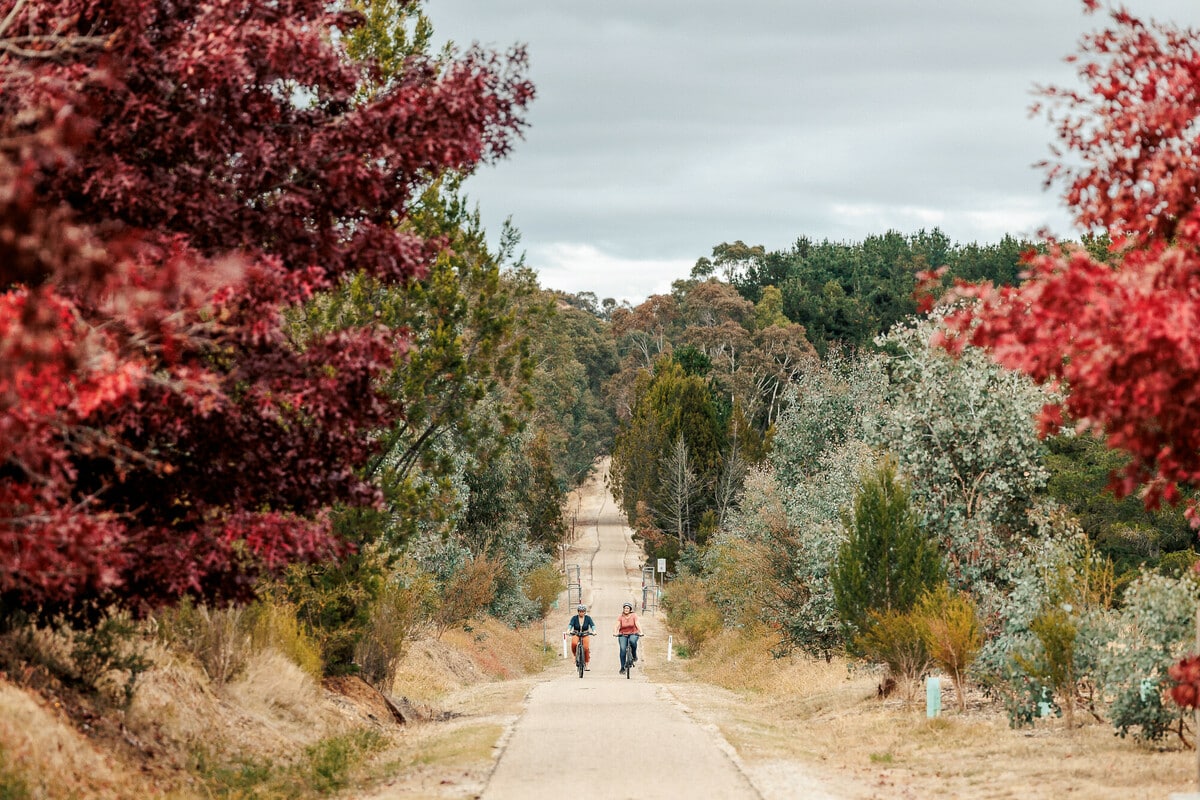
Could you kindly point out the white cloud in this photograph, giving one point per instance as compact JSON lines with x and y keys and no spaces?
{"x":576,"y":267}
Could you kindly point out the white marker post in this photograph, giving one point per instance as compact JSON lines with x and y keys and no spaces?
{"x":933,"y":697}
{"x":669,"y":647}
{"x":564,"y":645}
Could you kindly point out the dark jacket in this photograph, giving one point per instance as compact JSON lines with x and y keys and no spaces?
{"x":588,"y":625}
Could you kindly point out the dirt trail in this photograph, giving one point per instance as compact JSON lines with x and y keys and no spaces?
{"x":605,"y":736}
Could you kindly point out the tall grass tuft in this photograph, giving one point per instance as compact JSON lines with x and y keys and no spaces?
{"x":274,"y":623}
{"x":218,"y":639}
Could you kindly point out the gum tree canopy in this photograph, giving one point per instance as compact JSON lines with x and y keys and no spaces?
{"x":173,"y":176}
{"x":1124,"y":336}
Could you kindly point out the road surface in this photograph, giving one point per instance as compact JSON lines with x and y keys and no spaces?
{"x":603,"y":736}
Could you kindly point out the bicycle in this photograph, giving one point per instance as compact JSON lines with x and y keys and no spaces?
{"x":627,"y":657}
{"x":580,"y":655}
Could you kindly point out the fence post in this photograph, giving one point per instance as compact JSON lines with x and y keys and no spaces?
{"x":670,"y":646}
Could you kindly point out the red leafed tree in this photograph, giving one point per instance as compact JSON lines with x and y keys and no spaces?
{"x":1125,"y":336}
{"x":173,"y":176}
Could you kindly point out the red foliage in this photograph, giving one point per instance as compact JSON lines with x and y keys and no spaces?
{"x":173,"y":175}
{"x":1124,"y":338}
{"x":1186,"y":674}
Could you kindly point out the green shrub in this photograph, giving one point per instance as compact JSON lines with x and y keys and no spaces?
{"x":1058,"y":609}
{"x":886,"y":561}
{"x":1153,"y":630}
{"x":103,"y":659}
{"x":107,"y":657}
{"x":952,"y":632}
{"x":543,"y":586}
{"x":897,"y":640}
{"x":1177,"y":563}
{"x":690,"y":612}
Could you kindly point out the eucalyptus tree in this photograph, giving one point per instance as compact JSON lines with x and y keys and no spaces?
{"x":965,"y":434}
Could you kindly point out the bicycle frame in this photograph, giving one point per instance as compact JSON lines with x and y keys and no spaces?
{"x":580,"y":654}
{"x":630,"y":644}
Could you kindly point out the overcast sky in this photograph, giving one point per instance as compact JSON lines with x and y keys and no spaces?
{"x":664,"y":127}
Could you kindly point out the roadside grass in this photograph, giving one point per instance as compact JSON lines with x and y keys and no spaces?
{"x":268,"y":730}
{"x":828,"y":715}
{"x":324,"y":768}
{"x":488,"y":651}
{"x":13,"y":785}
{"x":42,"y":757}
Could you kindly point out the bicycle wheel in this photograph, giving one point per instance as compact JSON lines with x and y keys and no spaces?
{"x":579,"y":657}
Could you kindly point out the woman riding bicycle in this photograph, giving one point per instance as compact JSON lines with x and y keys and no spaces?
{"x":579,"y":625}
{"x":627,"y":632}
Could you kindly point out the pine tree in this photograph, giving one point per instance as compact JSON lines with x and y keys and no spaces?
{"x":886,"y":561}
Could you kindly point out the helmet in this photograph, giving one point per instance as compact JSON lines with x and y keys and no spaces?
{"x":627,"y":605}
{"x":581,"y":607}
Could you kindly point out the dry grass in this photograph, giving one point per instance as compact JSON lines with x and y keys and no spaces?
{"x":52,"y":759}
{"x":827,"y":715}
{"x":490,"y":651}
{"x":479,"y":679}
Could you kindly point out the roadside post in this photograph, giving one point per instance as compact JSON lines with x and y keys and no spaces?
{"x":933,"y":697}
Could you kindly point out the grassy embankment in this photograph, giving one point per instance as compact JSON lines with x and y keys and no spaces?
{"x":272,"y":731}
{"x":828,"y":715}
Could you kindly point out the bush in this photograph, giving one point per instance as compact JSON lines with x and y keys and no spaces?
{"x":738,"y":576}
{"x":543,"y":586}
{"x":1177,"y":563}
{"x":404,"y":606}
{"x":886,"y":560}
{"x":274,"y":623}
{"x":952,"y":633}
{"x":690,"y":612}
{"x":1154,"y":630}
{"x":218,"y":639}
{"x":333,"y":601}
{"x":1054,"y":665}
{"x":467,"y":593}
{"x":1056,"y":626}
{"x":897,"y":639}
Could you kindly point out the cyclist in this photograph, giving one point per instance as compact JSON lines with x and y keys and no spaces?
{"x":580,"y":624}
{"x":627,"y":632}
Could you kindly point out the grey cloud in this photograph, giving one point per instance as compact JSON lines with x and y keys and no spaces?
{"x":663,"y":127}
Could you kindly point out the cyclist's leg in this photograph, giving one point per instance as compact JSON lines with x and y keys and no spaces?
{"x":574,"y":645}
{"x":587,"y":650}
{"x":633,"y":640}
{"x":624,"y":642}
